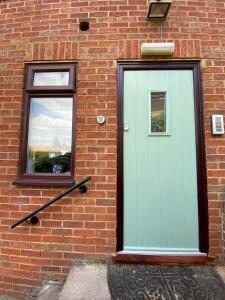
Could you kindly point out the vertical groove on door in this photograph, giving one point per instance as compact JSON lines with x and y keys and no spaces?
{"x":153,"y":178}
{"x":130,"y":197}
{"x":142,"y":188}
{"x":164,"y":172}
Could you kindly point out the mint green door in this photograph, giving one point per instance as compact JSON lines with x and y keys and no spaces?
{"x":160,"y":177}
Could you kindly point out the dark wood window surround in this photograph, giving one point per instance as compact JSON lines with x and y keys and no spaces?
{"x":45,"y":179}
{"x":120,"y":256}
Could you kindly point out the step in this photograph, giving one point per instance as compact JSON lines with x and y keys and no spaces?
{"x":86,"y":281}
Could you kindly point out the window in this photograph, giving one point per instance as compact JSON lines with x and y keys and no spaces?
{"x":47,"y":142}
{"x":158,"y":113}
{"x":51,"y":78}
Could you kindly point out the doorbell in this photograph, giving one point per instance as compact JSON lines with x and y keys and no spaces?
{"x":217,"y":124}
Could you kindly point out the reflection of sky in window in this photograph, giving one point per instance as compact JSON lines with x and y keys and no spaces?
{"x":51,"y":78}
{"x":50,"y":118}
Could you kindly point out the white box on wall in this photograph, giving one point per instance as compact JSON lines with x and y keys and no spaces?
{"x":217,"y":124}
{"x":157,"y":48}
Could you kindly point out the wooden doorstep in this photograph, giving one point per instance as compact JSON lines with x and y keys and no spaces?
{"x":154,"y":259}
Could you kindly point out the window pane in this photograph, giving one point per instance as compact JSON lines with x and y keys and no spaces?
{"x":49,"y":135}
{"x":158,"y":112}
{"x":51,"y":78}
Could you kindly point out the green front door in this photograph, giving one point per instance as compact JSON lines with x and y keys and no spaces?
{"x":160,"y":178}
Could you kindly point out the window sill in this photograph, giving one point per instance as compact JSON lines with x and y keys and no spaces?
{"x":44,"y":181}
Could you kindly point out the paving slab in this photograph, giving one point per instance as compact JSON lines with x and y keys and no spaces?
{"x":50,"y":290}
{"x":86,"y":281}
{"x":221,"y":271}
{"x":7,"y":298}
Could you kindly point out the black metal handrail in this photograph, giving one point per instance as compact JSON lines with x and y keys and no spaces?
{"x":32,"y":216}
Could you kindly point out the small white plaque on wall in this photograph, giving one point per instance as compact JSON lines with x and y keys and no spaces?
{"x":157,"y":48}
{"x":217,"y":124}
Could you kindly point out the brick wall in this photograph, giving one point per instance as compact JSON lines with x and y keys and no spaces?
{"x":83,"y":226}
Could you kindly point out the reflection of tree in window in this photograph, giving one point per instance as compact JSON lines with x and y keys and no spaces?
{"x":44,"y":163}
{"x":158,"y":112}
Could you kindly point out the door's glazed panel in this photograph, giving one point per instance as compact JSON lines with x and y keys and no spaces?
{"x":159,"y":116}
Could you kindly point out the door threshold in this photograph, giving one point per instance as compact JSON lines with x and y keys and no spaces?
{"x":169,"y":253}
{"x":163,"y":258}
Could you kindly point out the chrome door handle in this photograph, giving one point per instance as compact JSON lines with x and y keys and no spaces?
{"x":125,"y":126}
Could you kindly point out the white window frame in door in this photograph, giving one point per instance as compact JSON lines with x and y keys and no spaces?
{"x":168,"y":129}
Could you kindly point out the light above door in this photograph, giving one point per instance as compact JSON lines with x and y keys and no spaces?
{"x":158,"y":9}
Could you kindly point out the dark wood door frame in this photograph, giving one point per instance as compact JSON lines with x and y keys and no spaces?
{"x":200,"y":148}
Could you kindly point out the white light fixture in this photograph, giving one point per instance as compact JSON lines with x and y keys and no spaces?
{"x":157,"y":49}
{"x":158,"y":9}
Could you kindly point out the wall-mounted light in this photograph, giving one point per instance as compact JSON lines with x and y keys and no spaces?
{"x":158,"y":9}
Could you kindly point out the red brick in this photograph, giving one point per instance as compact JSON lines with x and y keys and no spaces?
{"x":84,"y":226}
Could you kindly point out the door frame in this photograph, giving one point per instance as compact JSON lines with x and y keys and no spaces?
{"x":194,"y":66}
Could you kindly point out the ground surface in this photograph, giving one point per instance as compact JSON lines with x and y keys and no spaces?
{"x":133,"y":282}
